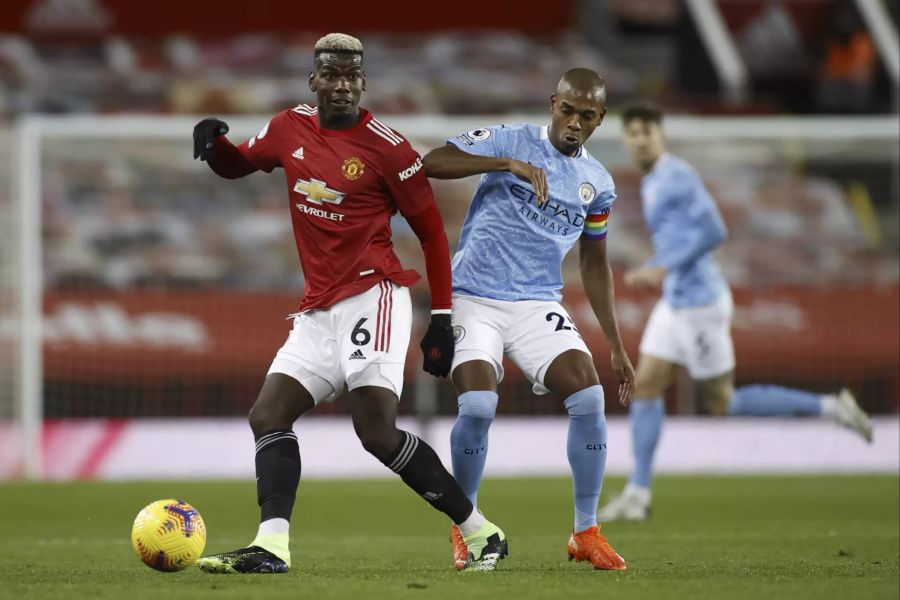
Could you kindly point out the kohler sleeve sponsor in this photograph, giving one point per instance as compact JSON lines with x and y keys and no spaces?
{"x":410,"y":170}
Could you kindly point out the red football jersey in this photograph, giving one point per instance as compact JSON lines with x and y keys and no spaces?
{"x":344,"y":186}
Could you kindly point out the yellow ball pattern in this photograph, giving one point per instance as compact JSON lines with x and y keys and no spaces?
{"x":168,"y":535}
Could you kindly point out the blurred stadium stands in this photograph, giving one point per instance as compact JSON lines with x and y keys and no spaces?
{"x":144,"y":248}
{"x":103,"y":56}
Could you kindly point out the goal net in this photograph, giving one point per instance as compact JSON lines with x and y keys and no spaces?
{"x":152,"y":288}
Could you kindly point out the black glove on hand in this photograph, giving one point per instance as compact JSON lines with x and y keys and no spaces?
{"x":204,"y":133}
{"x":437,"y":346}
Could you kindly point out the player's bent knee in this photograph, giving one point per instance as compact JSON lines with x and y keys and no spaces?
{"x":714,"y":395}
{"x":714,"y":400}
{"x":379,"y":443}
{"x":266,"y":415}
{"x":280,"y":402}
{"x":571,"y":372}
{"x":481,"y":404}
{"x":580,"y":367}
{"x":588,"y":401}
{"x":719,"y":409}
{"x":652,"y":377}
{"x":715,"y":404}
{"x":261,"y":420}
{"x":377,"y":431}
{"x":475,"y":371}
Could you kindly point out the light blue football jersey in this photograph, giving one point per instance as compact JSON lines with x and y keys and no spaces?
{"x":686,"y":227}
{"x":511,"y":249}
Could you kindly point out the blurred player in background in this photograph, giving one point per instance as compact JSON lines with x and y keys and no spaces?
{"x":691,"y":324}
{"x":346,"y":173}
{"x":539,"y":194}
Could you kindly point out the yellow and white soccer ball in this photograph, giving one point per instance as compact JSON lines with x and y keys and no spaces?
{"x":168,"y":535}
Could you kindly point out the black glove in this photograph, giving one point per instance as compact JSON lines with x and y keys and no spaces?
{"x":437,"y":346}
{"x":204,"y":133}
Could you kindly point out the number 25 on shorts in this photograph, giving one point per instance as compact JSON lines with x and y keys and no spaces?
{"x":561,"y":322}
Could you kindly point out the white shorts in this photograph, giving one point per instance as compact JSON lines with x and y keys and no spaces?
{"x":531,"y":332}
{"x":359,"y":341}
{"x":698,"y":338}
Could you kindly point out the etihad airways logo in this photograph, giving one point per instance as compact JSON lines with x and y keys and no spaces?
{"x":552,"y":215}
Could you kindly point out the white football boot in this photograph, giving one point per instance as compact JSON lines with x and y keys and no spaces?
{"x":843,"y":410}
{"x":633,"y":504}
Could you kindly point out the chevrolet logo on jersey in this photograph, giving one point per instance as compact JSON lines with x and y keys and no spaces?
{"x":316,"y":192}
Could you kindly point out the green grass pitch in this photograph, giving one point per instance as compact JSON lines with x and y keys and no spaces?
{"x":758,"y":538}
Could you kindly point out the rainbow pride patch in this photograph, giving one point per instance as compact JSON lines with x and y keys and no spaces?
{"x":595,"y":225}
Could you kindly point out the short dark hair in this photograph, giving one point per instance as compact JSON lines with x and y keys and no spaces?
{"x":336,"y":43}
{"x":642,"y":110}
{"x":339,"y":43}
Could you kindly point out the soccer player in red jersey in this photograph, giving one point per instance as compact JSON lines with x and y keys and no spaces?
{"x":347,"y":173}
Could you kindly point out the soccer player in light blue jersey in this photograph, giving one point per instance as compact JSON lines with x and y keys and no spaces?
{"x":540,"y":193}
{"x":690,"y":325}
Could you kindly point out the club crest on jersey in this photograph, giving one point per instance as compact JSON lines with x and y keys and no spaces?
{"x":479,"y":135}
{"x":353,"y":168}
{"x":587,"y":193}
{"x":316,"y":191}
{"x":459,"y":332}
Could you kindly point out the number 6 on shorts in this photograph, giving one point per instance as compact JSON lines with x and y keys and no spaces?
{"x":360,"y":336}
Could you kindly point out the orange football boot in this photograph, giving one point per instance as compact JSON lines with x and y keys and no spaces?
{"x":460,"y":552}
{"x":590,"y":545}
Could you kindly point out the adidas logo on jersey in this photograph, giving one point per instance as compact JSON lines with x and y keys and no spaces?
{"x":357,"y":355}
{"x":298,"y":153}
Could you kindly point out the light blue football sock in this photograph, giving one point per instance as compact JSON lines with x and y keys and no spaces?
{"x":469,"y":439}
{"x":587,"y":452}
{"x":773,"y":401}
{"x":646,"y":426}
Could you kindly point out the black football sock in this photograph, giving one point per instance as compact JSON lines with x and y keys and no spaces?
{"x":421,"y":469}
{"x":277,"y":473}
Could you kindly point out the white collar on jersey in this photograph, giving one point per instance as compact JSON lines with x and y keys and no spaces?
{"x":545,"y":135}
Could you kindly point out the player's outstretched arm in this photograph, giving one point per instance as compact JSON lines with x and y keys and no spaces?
{"x":597,"y":278}
{"x":415,"y":200}
{"x":449,"y":162}
{"x":437,"y":344}
{"x":211,"y":145}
